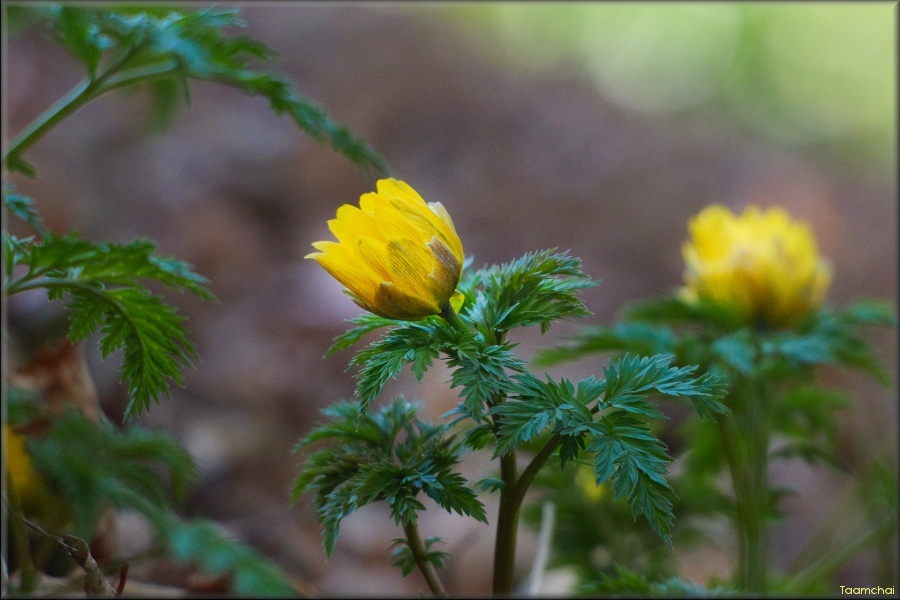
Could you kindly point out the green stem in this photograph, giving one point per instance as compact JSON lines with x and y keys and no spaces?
{"x":75,"y":99}
{"x":420,"y":555}
{"x":745,"y":440}
{"x":507,"y":527}
{"x":140,"y":75}
{"x":529,"y":473}
{"x":65,"y":106}
{"x":449,"y":315}
{"x":513,"y":491}
{"x":759,"y":488}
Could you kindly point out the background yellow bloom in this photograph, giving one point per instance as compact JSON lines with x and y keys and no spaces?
{"x":761,"y":265}
{"x":25,"y":480}
{"x":398,"y":256}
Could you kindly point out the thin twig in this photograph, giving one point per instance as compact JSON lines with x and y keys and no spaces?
{"x":95,"y":583}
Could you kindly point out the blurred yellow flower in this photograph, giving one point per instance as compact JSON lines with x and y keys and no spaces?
{"x":762,"y":265}
{"x":587,"y":483}
{"x":397,"y":256}
{"x":26,"y":482}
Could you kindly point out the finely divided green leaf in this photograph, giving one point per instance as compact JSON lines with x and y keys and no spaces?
{"x":635,"y":337}
{"x":629,"y":456}
{"x":104,"y":284}
{"x":536,"y":289}
{"x":23,"y":208}
{"x":95,"y":466}
{"x":397,"y":457}
{"x":631,"y":376}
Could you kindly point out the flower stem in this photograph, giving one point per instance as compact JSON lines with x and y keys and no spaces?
{"x":507,"y":527}
{"x":419,"y":554}
{"x":512,"y":494}
{"x":745,"y":438}
{"x":449,"y":315}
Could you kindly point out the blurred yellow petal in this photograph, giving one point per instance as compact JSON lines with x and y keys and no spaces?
{"x":762,"y":265}
{"x":26,"y":482}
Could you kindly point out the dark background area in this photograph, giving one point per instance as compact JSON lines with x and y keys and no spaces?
{"x":523,"y":160}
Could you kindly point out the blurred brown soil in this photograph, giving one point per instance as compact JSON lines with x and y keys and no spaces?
{"x":521,"y":162}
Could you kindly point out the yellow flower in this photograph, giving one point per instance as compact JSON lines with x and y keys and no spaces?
{"x":25,"y":481}
{"x":587,"y":483}
{"x":397,"y":256}
{"x":761,"y":265}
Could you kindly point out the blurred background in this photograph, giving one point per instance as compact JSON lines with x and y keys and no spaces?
{"x":595,"y":127}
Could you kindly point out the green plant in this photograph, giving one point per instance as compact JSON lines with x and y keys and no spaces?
{"x":393,"y":456}
{"x":752,"y":312}
{"x":88,"y":467}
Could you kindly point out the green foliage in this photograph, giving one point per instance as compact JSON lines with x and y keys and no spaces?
{"x":22,"y":207}
{"x":365,"y":324}
{"x":90,"y":467}
{"x":779,"y":407}
{"x":640,"y":338}
{"x":483,"y":373}
{"x":536,"y":289}
{"x":630,"y":377}
{"x":831,"y":337}
{"x":785,"y":359}
{"x":104,"y":291}
{"x":165,"y":49}
{"x":627,"y":583}
{"x":22,"y":405}
{"x":538,"y":406}
{"x":95,"y":466}
{"x":414,"y":343}
{"x":479,"y":368}
{"x":203,"y":543}
{"x":593,"y":532}
{"x":805,"y":417}
{"x":625,"y":451}
{"x":402,"y":556}
{"x":391,"y":456}
{"x":627,"y":454}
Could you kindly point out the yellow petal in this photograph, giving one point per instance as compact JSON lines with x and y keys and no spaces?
{"x":394,"y":303}
{"x":396,"y":255}
{"x":410,"y":263}
{"x":351,"y":273}
{"x":352,"y":222}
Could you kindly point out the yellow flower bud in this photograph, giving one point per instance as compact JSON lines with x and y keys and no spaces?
{"x":397,"y":256}
{"x":762,"y":266}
